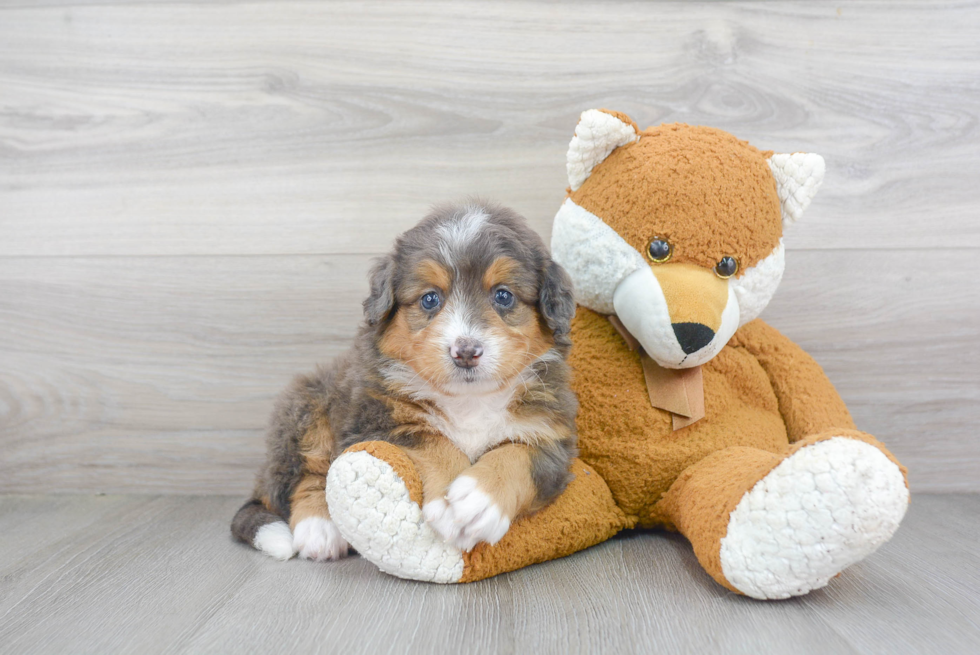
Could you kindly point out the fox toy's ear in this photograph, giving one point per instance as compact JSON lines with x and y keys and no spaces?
{"x":798,"y":176}
{"x":597,"y":134}
{"x":379,"y":304}
{"x":557,"y":304}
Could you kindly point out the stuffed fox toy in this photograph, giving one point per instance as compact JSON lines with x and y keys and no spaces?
{"x":694,"y":415}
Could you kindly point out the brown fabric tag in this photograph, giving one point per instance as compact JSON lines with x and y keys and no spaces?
{"x":630,"y":340}
{"x":678,"y":391}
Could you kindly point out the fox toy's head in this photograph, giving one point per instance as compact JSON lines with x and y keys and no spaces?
{"x":677,"y":229}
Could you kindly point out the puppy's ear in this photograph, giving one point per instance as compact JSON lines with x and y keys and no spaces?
{"x":379,"y":304}
{"x":557,"y":304}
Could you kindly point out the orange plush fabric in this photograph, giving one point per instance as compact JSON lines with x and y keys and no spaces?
{"x":708,"y":192}
{"x":709,"y":195}
{"x":633,"y":445}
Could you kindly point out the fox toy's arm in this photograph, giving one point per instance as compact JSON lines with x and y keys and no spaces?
{"x":808,"y":401}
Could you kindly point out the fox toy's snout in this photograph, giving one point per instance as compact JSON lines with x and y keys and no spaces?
{"x":681,"y":313}
{"x":695,"y":299}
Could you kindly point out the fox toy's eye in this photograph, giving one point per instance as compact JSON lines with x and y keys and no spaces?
{"x":659,"y":250}
{"x":727,"y":267}
{"x":504,"y":298}
{"x":430,"y":301}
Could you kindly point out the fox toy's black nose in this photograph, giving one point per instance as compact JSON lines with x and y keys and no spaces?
{"x":466,"y":352}
{"x":693,"y":336}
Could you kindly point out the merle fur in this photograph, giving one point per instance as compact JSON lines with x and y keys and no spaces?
{"x":342,"y":391}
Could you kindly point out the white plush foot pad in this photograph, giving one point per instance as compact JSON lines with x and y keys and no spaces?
{"x":318,"y":539}
{"x":828,"y":506}
{"x":371,"y":507}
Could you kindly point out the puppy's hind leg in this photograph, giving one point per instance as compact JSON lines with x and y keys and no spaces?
{"x":315,"y":536}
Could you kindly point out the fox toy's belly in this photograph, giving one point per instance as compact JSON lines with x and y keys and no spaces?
{"x":633,"y":445}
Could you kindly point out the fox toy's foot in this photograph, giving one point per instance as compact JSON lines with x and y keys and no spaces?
{"x":375,"y":498}
{"x":825,"y":507}
{"x":829,"y":503}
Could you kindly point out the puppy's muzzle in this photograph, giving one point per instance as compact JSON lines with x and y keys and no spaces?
{"x":466,"y":352}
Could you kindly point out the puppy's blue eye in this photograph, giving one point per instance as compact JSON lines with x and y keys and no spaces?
{"x":430,"y":301}
{"x":503,"y":297}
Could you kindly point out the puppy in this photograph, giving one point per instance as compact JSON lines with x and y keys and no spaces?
{"x":460,"y":362}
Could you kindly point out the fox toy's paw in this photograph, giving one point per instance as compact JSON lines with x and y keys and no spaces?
{"x":823,"y":508}
{"x":374,"y":496}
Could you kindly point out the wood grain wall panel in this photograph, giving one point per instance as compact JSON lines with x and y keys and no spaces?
{"x":323,"y":127}
{"x":157,"y":373}
{"x":898,"y":337}
{"x":190,"y":195}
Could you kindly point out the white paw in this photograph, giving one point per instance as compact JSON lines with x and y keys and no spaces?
{"x":275,"y":540}
{"x":318,"y":539}
{"x":826,"y":507}
{"x":439,"y":516}
{"x":467,"y":516}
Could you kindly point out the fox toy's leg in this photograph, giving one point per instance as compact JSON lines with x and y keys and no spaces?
{"x":375,"y":496}
{"x":775,"y":526}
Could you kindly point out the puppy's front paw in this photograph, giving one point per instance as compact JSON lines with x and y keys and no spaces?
{"x":318,"y":539}
{"x":439,"y":515}
{"x":467,"y":516}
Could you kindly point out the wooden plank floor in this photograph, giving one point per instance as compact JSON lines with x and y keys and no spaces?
{"x":160,"y":574}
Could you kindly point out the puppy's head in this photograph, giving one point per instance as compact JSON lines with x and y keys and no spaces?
{"x":468,"y":300}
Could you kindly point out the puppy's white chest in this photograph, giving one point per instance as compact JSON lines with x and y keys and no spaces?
{"x":475,"y":423}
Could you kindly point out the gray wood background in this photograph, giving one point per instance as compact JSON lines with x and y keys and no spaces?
{"x":191,"y":194}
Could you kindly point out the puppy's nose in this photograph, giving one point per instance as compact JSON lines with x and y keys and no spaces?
{"x":693,"y":336}
{"x":466,"y":352}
